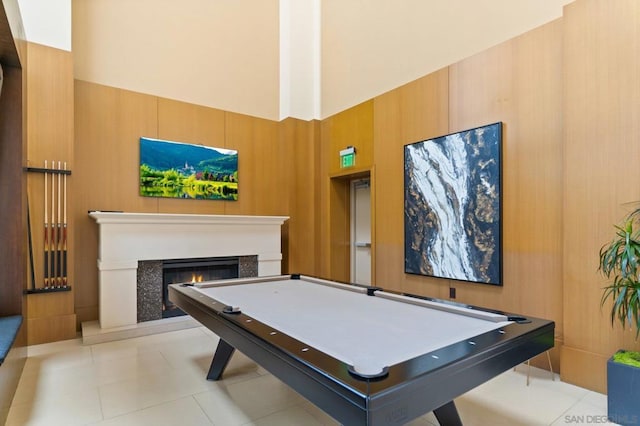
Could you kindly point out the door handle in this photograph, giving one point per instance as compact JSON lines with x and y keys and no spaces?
{"x":363,"y":245}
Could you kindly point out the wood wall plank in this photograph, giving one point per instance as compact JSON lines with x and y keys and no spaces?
{"x":13,"y":188}
{"x":50,"y":304}
{"x":411,"y":113}
{"x":352,"y":127}
{"x":298,"y":163}
{"x":12,"y":35}
{"x":51,"y":329}
{"x":13,"y":184}
{"x":324,"y":260}
{"x":259,"y":161}
{"x":50,"y":138}
{"x":182,"y":122}
{"x":49,"y":105}
{"x":50,"y":317}
{"x":519,"y":83}
{"x":108,"y":125}
{"x":584,"y":368}
{"x":601,"y":180}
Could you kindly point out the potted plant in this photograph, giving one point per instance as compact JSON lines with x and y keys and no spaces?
{"x":620,"y":260}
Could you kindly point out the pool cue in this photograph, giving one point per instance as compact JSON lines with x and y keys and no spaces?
{"x":59,"y":240}
{"x":46,"y":229}
{"x":64,"y":233}
{"x":52,"y":241}
{"x":33,"y":272}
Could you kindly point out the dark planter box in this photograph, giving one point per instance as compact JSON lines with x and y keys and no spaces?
{"x":623,"y":388}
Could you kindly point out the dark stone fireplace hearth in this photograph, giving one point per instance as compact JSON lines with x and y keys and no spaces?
{"x":154,"y":275}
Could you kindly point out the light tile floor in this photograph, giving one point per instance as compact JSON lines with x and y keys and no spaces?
{"x":160,"y":380}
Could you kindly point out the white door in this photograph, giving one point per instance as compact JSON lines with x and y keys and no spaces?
{"x":361,"y":232}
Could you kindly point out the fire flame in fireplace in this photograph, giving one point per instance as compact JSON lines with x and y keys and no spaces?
{"x":196,"y":278}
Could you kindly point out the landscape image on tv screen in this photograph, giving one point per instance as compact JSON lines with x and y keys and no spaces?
{"x":182,"y":170}
{"x":452,"y":206}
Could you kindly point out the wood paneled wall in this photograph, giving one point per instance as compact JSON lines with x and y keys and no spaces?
{"x":300,"y":152}
{"x":12,"y":227}
{"x":108,"y":125}
{"x":568,"y":94}
{"x":12,"y":156}
{"x":275,"y":177}
{"x":12,"y":188}
{"x":190,"y":123}
{"x":50,"y":317}
{"x":353,"y":127}
{"x":260,"y":168}
{"x":601,"y":175}
{"x":413,"y":112}
{"x":12,"y":195}
{"x":518,"y":83}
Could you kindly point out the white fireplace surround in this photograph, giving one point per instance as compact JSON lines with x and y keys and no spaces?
{"x":126,"y":238}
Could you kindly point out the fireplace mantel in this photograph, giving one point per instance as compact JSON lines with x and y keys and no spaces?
{"x":186,"y":219}
{"x":126,"y":238}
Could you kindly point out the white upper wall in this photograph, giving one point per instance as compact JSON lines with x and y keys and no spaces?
{"x":372,"y":46}
{"x":47,"y":22}
{"x":218,"y":53}
{"x":300,"y":59}
{"x":274,"y":58}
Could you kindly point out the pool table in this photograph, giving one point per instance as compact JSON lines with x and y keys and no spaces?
{"x":364,"y":355}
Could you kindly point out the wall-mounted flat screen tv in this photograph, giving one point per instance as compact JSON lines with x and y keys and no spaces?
{"x":182,"y":170}
{"x":452,"y":206}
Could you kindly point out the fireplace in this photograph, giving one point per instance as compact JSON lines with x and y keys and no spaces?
{"x":153,"y":277}
{"x":193,"y":270}
{"x":128,"y":239}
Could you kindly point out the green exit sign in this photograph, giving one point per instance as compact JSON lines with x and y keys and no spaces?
{"x":348,"y":157}
{"x":347,"y":160}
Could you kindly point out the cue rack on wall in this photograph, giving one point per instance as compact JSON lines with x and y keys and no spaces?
{"x":55,"y":230}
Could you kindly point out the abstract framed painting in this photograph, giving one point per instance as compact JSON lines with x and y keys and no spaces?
{"x":181,"y":170}
{"x":453,"y":206}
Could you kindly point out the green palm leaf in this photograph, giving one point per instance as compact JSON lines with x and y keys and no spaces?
{"x":620,"y":259}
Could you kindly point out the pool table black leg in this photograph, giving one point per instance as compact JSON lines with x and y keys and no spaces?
{"x":447,"y":415}
{"x":220,"y":360}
